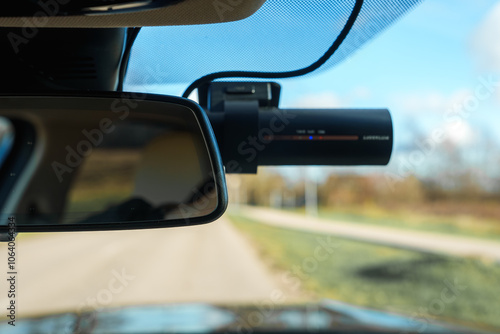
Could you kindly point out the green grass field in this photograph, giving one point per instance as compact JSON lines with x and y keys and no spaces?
{"x":381,"y":277}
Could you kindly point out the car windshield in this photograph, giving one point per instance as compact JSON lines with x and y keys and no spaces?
{"x":419,"y":237}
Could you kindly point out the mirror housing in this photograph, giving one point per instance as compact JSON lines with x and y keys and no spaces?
{"x":122,"y":13}
{"x":108,"y":161}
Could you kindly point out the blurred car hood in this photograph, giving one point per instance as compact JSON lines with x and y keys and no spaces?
{"x":332,"y":316}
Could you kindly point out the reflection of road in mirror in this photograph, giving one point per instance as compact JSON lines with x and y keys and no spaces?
{"x":202,"y":202}
{"x":157,"y":175}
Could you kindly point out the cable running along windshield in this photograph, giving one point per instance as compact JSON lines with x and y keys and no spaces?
{"x":282,"y":75}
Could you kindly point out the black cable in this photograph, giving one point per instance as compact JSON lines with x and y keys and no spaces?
{"x":131,"y":36}
{"x":281,"y":75}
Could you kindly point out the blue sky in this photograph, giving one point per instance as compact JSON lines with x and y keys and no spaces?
{"x":420,"y":68}
{"x":427,"y":55}
{"x":423,"y":66}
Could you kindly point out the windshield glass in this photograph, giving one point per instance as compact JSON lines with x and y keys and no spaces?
{"x":420,"y":237}
{"x":281,"y":36}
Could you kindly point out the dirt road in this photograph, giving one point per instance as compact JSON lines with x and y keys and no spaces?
{"x":394,"y":237}
{"x":67,"y":271}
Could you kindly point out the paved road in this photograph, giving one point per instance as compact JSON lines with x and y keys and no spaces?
{"x":413,"y":240}
{"x":210,"y":263}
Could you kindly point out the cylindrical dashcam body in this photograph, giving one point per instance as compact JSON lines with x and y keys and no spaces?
{"x":251,"y":136}
{"x":325,"y":137}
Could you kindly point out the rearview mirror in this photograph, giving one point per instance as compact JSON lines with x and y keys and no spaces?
{"x":110,"y":161}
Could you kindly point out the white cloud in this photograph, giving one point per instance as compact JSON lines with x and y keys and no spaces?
{"x":485,"y":41}
{"x":418,"y":104}
{"x":460,"y":134}
{"x":317,"y":100}
{"x":428,"y":103}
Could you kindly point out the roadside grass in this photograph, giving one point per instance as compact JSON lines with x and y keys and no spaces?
{"x":105,"y":179}
{"x":380,"y":277}
{"x":96,"y":203}
{"x":459,"y":224}
{"x":27,"y":236}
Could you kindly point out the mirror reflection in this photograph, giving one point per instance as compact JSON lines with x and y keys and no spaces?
{"x":91,"y":169}
{"x":6,"y":138}
{"x":142,"y":172}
